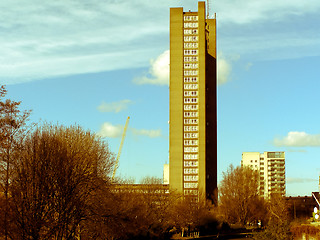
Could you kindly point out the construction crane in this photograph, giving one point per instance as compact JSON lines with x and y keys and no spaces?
{"x":120,"y":148}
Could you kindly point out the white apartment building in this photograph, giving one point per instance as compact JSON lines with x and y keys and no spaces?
{"x":271,"y":168}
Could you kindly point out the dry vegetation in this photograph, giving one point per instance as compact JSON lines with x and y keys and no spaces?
{"x":55,"y":184}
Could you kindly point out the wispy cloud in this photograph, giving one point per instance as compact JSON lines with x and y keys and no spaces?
{"x":267,"y":30}
{"x":158,"y":73}
{"x":298,"y":139}
{"x":53,"y":38}
{"x":114,"y":106}
{"x":44,"y":39}
{"x":248,"y":66}
{"x":300,"y":180}
{"x":145,"y":132}
{"x":109,"y":130}
{"x":296,"y":150}
{"x":248,"y":11}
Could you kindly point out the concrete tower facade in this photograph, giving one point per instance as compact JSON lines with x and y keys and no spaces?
{"x":193,"y":111}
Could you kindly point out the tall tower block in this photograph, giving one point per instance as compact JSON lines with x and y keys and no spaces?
{"x":193,"y":104}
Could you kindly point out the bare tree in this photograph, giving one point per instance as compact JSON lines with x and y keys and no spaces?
{"x":238,"y":195}
{"x":12,"y":130}
{"x":190,"y":216}
{"x":57,"y":173}
{"x":141,"y":212}
{"x":278,"y":225}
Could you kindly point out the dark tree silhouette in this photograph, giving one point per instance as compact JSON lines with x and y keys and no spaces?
{"x":57,"y":174}
{"x":13,"y":129}
{"x":239,"y":199}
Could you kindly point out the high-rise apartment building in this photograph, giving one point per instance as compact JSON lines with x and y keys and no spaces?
{"x":193,"y":111}
{"x":271,"y":168}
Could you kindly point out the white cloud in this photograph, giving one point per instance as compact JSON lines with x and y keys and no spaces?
{"x":148,"y":133}
{"x":114,"y":131}
{"x":114,"y":106}
{"x":109,"y":130}
{"x":298,"y":139}
{"x":160,"y":68}
{"x":158,"y":72}
{"x":224,"y":69}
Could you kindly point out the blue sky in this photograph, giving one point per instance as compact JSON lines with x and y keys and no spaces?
{"x":96,"y":62}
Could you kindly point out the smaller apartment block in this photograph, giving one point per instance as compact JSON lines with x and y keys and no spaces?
{"x":271,"y":168}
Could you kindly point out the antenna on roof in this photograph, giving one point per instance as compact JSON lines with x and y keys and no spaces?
{"x":208,"y":8}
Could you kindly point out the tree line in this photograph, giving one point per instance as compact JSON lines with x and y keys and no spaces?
{"x":55,"y":183}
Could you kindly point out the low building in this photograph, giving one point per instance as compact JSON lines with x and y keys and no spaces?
{"x":301,"y":207}
{"x":141,"y":188}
